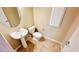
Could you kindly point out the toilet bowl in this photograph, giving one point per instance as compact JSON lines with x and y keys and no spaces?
{"x":36,"y":35}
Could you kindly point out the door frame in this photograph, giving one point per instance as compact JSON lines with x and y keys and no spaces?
{"x":6,"y":42}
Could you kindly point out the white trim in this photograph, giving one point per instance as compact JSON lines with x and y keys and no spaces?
{"x":46,"y":37}
{"x":11,"y":49}
{"x":73,"y":41}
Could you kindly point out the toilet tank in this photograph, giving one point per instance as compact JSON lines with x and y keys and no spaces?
{"x":31,"y":29}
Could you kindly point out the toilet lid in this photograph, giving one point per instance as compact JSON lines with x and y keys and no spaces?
{"x":37,"y":34}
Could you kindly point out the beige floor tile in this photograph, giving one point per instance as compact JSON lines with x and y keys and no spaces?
{"x":41,"y":46}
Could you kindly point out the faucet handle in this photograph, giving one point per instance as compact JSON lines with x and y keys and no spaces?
{"x":17,"y":29}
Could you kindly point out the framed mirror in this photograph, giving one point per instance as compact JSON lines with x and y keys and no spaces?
{"x":57,"y":15}
{"x":12,"y":16}
{"x":3,"y":19}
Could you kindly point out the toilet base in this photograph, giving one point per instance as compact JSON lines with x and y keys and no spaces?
{"x":35,"y":39}
{"x":23,"y":41}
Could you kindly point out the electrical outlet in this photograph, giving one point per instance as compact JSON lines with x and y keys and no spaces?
{"x":67,"y":43}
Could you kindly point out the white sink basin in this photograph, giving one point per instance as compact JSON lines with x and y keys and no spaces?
{"x":19,"y":33}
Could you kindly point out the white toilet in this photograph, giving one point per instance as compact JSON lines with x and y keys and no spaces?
{"x":36,"y":35}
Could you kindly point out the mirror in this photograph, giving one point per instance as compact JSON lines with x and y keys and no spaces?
{"x":57,"y":16}
{"x":3,"y":19}
{"x":11,"y":16}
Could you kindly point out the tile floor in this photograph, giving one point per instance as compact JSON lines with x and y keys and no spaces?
{"x":42,"y":45}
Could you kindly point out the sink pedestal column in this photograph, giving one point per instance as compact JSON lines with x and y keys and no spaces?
{"x":23,"y":41}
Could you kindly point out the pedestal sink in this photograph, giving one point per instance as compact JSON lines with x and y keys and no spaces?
{"x":20,"y":33}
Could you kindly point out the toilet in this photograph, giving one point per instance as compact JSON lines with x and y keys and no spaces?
{"x":36,"y":35}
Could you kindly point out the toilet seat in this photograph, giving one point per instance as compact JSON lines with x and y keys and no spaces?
{"x":37,"y":35}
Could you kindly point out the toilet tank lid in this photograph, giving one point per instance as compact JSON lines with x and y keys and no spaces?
{"x":32,"y":27}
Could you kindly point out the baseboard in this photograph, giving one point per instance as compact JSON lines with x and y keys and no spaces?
{"x":46,"y":37}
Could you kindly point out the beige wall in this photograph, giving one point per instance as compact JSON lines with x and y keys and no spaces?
{"x":73,"y":27}
{"x":42,"y":19}
{"x":12,"y":15}
{"x":26,"y":15}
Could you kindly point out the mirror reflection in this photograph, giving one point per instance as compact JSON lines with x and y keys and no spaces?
{"x":9,"y":16}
